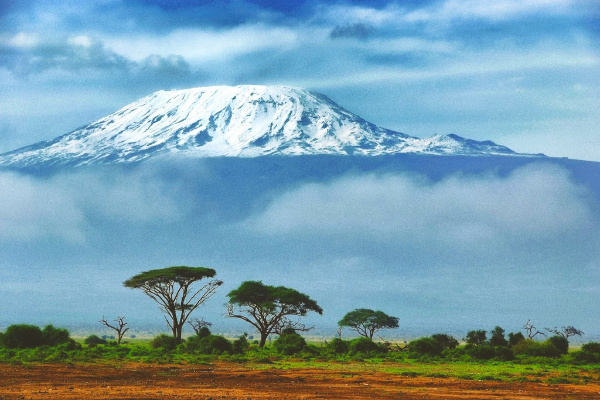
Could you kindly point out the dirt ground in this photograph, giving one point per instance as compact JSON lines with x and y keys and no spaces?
{"x":236,"y":381}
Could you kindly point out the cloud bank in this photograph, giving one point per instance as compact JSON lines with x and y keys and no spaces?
{"x":65,"y":207}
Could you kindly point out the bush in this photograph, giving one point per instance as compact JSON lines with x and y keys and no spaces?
{"x":561,"y":343}
{"x":515,"y":338}
{"x":446,"y":341}
{"x":211,"y":344}
{"x":22,"y":337}
{"x":476,"y":338}
{"x":504,"y":353}
{"x":69,"y":346}
{"x":425,"y":347}
{"x":163,"y":341}
{"x":217,"y":345}
{"x":432,"y":346}
{"x":482,"y":352}
{"x":289,"y":343}
{"x":337,"y":346}
{"x":497,"y":338}
{"x":364,"y":345}
{"x":203,"y":332}
{"x":589,"y":353}
{"x":54,"y":336}
{"x":241,"y":344}
{"x":93,"y":341}
{"x":529,"y":347}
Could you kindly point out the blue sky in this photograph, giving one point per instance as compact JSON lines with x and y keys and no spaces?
{"x":523,"y":73}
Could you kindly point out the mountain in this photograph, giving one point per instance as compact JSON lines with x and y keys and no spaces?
{"x":240,"y":121}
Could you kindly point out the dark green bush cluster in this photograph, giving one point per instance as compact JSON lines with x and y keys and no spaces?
{"x":589,"y":353}
{"x":93,"y":341}
{"x":289,"y":342}
{"x":360,"y":346}
{"x":432,"y":346}
{"x":165,"y":342}
{"x":479,"y":347}
{"x":552,"y":347}
{"x":205,"y":342}
{"x":23,"y":336}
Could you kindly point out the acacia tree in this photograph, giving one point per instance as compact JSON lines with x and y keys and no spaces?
{"x":172,"y":289}
{"x":366,"y":322}
{"x":267,"y":308}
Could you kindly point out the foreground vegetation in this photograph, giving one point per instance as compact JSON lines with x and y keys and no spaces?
{"x":436,"y":356}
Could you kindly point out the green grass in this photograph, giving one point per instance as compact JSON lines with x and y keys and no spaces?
{"x":539,"y":369}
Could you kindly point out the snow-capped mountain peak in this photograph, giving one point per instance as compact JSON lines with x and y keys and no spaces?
{"x":225,"y":121}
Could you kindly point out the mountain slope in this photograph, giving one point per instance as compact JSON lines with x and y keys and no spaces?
{"x":245,"y":121}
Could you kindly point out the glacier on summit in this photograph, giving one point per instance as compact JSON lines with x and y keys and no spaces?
{"x":234,"y":121}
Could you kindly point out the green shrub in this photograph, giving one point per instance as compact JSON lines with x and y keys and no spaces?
{"x":364,"y":345}
{"x":337,"y":346}
{"x":476,"y":338}
{"x":446,"y":341}
{"x":482,"y":352}
{"x":289,"y":343}
{"x":217,"y":345}
{"x":515,"y":338}
{"x":22,"y":336}
{"x":425,"y":347}
{"x":241,"y":344}
{"x":529,"y":347}
{"x":163,"y":341}
{"x":497,"y":338}
{"x":93,"y":341}
{"x":71,"y":345}
{"x":561,"y":343}
{"x":432,"y":346}
{"x":589,"y":353}
{"x":211,"y":344}
{"x":503,"y":353}
{"x":55,"y":336}
{"x":203,"y":332}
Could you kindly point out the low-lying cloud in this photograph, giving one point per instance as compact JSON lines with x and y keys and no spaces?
{"x":62,"y":207}
{"x":534,"y":205}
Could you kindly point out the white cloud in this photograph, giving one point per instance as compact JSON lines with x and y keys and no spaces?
{"x":535,"y":203}
{"x":492,"y":10}
{"x":31,"y":208}
{"x":23,"y":40}
{"x":62,"y":206}
{"x":203,"y":46}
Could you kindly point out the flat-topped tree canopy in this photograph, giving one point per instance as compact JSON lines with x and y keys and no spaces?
{"x":172,"y":289}
{"x":267,"y":297}
{"x":178,"y":274}
{"x":267,"y":307}
{"x":366,"y":321}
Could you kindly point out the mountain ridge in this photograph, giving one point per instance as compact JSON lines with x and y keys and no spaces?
{"x":234,"y":121}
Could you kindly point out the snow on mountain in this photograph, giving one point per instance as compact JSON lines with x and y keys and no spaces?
{"x":240,"y":121}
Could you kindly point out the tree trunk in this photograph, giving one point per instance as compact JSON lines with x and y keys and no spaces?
{"x":178,"y":329}
{"x":263,"y":340}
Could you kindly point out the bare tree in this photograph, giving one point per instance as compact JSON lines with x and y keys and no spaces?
{"x":119,"y":327}
{"x":531,"y":330}
{"x":198,"y":324}
{"x":565,"y":331}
